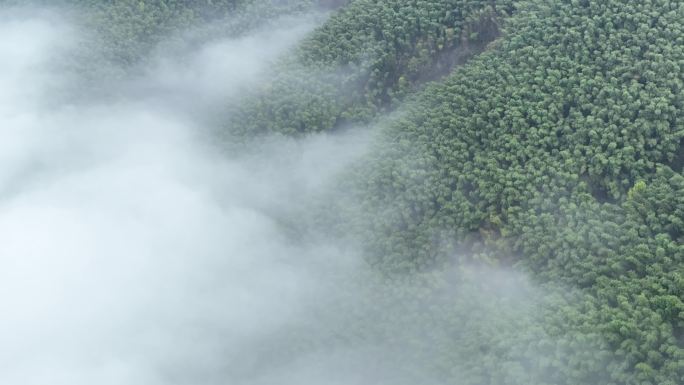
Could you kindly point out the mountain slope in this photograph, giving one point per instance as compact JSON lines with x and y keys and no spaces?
{"x":540,"y":137}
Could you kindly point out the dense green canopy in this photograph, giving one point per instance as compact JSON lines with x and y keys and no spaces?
{"x":540,"y":136}
{"x":559,"y":150}
{"x":366,"y":59}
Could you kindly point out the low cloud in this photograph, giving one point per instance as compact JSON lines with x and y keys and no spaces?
{"x":133,"y":251}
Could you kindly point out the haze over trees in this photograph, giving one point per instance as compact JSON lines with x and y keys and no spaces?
{"x":511,"y":196}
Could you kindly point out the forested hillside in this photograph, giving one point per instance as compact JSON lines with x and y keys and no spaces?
{"x":542,"y":137}
{"x":560,"y":150}
{"x":366,"y":59}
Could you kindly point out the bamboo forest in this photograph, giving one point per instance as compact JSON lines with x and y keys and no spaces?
{"x":246,"y":192}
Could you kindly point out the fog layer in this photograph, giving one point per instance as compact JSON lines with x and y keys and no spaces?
{"x":133,"y":250}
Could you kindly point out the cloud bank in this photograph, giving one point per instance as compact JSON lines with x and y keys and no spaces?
{"x":133,"y":251}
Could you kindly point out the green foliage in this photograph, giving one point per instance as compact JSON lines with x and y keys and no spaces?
{"x":551,"y":151}
{"x":124,"y":33}
{"x":554,"y":149}
{"x":366,"y":59}
{"x":554,"y":146}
